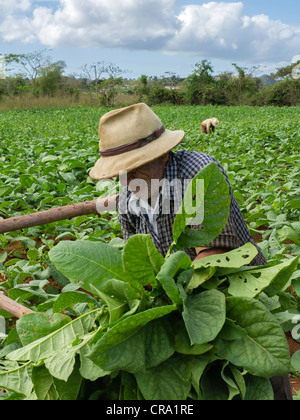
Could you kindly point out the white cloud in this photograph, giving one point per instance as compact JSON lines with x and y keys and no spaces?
{"x":11,"y":6}
{"x":213,"y":29}
{"x":219,"y":29}
{"x":208,"y":28}
{"x":103,"y":23}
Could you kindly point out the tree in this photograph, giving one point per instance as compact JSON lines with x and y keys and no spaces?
{"x":204,"y":71}
{"x":50,"y":77}
{"x":94,"y":73}
{"x":199,"y":84}
{"x":242,"y":88}
{"x":31,"y":63}
{"x":109,"y":89}
{"x":142,"y":87}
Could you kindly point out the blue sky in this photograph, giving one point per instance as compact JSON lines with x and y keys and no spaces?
{"x":154,"y":36}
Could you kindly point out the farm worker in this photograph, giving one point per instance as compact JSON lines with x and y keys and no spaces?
{"x":136,"y":147}
{"x":209,"y":125}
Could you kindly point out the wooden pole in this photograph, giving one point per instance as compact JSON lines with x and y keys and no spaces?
{"x":43,"y":218}
{"x":13,"y":307}
{"x":59,"y":213}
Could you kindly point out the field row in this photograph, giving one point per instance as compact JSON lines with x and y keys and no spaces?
{"x":45,"y":159}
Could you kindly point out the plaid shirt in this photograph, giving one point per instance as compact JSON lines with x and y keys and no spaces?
{"x":184,"y":165}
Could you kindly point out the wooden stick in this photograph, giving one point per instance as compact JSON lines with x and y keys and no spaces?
{"x":59,"y":213}
{"x":13,"y":307}
{"x":45,"y":217}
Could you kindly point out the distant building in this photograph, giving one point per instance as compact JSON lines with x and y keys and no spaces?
{"x":172,"y":87}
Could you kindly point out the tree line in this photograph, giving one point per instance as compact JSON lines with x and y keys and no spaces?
{"x":35,"y":75}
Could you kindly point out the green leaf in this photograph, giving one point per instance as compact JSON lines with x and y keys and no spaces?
{"x":230,"y":375}
{"x":264,"y":351}
{"x":127,"y":328}
{"x":61,"y":364}
{"x":68,"y":299}
{"x":251,"y":283}
{"x":258,"y":389}
{"x":296,"y":284}
{"x":215,"y":202}
{"x":34,"y":326}
{"x":169,"y":381}
{"x":3,"y":257}
{"x":179,"y":261}
{"x":48,"y":388}
{"x":231,"y":331}
{"x":120,"y":290}
{"x":153,"y":344}
{"x":283,"y":277}
{"x":69,"y":390}
{"x":204,"y":315}
{"x":238,"y":377}
{"x":199,"y":277}
{"x":232,"y":259}
{"x":52,"y":343}
{"x":88,"y":262}
{"x":120,"y":298}
{"x":15,"y":377}
{"x":296,"y":361}
{"x":141,"y":261}
{"x":183,"y":343}
{"x":287,"y":233}
{"x":198,"y":366}
{"x":44,"y":384}
{"x":88,"y":369}
{"x":212,"y":386}
{"x":294,"y":204}
{"x":58,"y":277}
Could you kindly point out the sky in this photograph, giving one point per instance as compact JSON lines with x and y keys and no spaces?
{"x":153,"y":37}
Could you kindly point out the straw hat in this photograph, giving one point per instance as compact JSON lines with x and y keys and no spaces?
{"x":215,"y":122}
{"x":131,"y":137}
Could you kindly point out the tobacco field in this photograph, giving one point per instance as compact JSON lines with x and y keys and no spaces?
{"x":209,"y":330}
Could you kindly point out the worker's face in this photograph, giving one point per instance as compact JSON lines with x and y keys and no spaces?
{"x":139,"y":180}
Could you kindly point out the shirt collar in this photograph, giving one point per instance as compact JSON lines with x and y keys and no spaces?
{"x":172,"y":189}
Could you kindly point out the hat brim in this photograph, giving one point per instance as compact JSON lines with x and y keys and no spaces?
{"x":111,"y":167}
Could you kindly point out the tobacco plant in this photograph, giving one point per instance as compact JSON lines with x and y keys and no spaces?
{"x":133,"y":325}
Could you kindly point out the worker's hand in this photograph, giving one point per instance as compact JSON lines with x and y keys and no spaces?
{"x":211,"y":251}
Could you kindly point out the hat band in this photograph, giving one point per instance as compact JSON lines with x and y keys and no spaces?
{"x":132,"y":146}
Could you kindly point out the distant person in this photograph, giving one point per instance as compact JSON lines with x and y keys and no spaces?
{"x":209,"y":125}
